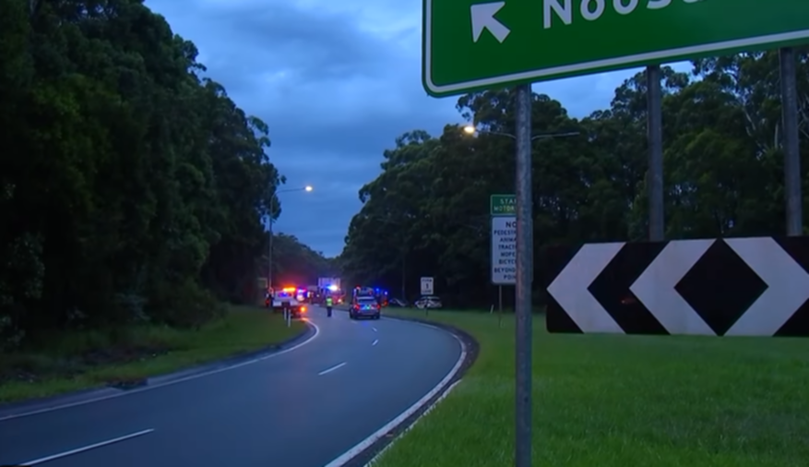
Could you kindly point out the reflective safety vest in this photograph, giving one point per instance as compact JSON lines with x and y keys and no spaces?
{"x":328,"y":301}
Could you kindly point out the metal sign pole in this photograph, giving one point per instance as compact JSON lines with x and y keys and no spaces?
{"x":499,"y":306}
{"x":525,"y":260}
{"x":791,"y":142}
{"x":654,"y":177}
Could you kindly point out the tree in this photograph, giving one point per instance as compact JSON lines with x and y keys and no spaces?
{"x":723,"y":175}
{"x":132,"y":187}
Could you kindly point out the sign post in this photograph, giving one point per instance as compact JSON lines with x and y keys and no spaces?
{"x":502,"y":209}
{"x":427,"y":289}
{"x":493,"y":44}
{"x":497,"y":43}
{"x":427,"y":286}
{"x":523,"y":301}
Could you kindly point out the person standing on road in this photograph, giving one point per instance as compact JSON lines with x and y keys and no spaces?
{"x":329,"y":304}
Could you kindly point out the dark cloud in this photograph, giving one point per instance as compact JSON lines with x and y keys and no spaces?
{"x":336,"y":82}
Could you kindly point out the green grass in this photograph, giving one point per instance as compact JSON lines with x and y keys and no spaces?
{"x":610,"y":400}
{"x":82,"y":360}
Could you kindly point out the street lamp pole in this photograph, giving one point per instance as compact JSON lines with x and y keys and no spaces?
{"x":404,"y":274}
{"x":273,"y":200}
{"x":525,"y":257}
{"x":472,"y":130}
{"x":269,"y":252}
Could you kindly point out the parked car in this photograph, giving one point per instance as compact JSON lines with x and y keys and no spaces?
{"x":428,"y":301}
{"x":397,"y":303}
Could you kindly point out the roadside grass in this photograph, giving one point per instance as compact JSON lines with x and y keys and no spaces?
{"x":82,"y":360}
{"x":610,"y":400}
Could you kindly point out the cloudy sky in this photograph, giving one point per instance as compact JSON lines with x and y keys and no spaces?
{"x":336,"y":82}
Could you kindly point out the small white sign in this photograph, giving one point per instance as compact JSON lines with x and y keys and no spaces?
{"x":504,"y":250}
{"x":427,"y":286}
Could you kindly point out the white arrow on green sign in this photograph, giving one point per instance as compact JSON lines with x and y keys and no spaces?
{"x":476,"y":44}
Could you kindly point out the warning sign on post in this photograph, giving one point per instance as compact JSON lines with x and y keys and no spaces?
{"x":427,"y":286}
{"x":504,"y":250}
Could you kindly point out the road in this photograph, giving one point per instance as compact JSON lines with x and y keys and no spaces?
{"x":303,"y":408}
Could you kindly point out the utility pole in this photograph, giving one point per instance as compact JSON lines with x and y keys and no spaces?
{"x":269,"y":252}
{"x":273,"y":201}
{"x":404,"y":275}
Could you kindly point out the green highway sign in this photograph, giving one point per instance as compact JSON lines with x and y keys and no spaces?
{"x":503,"y":205}
{"x":478,"y":44}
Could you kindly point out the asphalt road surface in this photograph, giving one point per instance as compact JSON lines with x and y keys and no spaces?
{"x":303,"y":408}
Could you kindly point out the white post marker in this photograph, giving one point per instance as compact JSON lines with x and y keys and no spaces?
{"x":504,"y":250}
{"x":427,"y":286}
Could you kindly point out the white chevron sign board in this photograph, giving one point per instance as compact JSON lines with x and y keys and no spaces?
{"x":716,"y":287}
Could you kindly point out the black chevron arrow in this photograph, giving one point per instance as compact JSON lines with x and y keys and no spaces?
{"x":798,"y":249}
{"x":553,"y":261}
{"x":611,"y":288}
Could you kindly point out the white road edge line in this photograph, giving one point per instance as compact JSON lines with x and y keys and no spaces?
{"x":376,"y":341}
{"x":87,"y":448}
{"x":374,"y":329}
{"x":369,"y":441}
{"x":329,"y":370}
{"x":376,"y":458}
{"x":167,"y":383}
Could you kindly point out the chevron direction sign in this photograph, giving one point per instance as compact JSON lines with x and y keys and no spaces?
{"x":718,"y":287}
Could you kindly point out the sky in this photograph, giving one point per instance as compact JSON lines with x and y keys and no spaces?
{"x":336,"y":83}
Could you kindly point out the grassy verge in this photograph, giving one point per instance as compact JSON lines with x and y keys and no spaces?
{"x":601,"y":400}
{"x":82,"y":360}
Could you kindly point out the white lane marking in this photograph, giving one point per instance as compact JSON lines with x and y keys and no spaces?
{"x":42,"y":460}
{"x":376,"y":458}
{"x":376,"y":341}
{"x":167,"y":383}
{"x":374,"y":329}
{"x":346,"y":457}
{"x":329,"y":370}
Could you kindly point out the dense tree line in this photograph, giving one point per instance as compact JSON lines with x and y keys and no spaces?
{"x":294,"y":263}
{"x":427,"y":213}
{"x":132,"y":187}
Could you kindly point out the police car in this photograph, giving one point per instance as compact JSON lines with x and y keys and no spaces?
{"x":364,"y":306}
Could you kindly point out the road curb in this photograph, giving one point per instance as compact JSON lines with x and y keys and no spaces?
{"x":368,"y":457}
{"x":111,"y":389}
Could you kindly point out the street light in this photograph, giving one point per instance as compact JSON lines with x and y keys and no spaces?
{"x":307,"y":189}
{"x":472,"y":130}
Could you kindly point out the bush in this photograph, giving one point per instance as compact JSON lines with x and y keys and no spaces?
{"x":188,"y":305}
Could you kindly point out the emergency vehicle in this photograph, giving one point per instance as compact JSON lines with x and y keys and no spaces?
{"x":364,"y":303}
{"x":288,"y":296}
